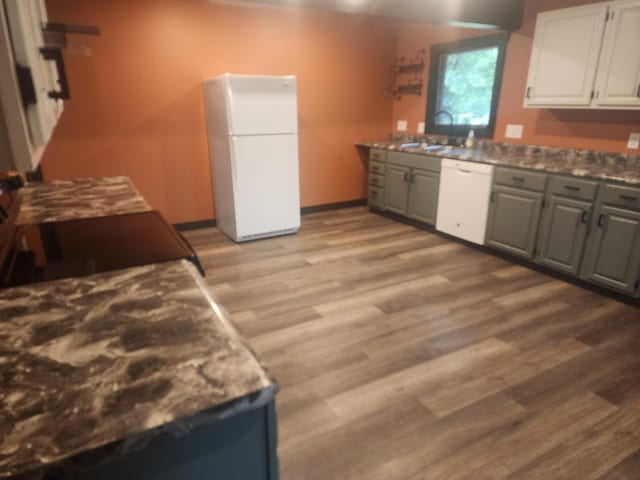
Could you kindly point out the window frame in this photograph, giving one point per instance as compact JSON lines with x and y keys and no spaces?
{"x":500,"y":41}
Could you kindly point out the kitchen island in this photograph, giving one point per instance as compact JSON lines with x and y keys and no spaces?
{"x":60,"y":200}
{"x":136,"y":373}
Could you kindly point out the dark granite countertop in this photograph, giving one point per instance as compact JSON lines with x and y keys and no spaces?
{"x":61,"y":200}
{"x":98,"y":366}
{"x":581,"y":163}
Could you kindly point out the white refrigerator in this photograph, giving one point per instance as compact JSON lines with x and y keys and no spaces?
{"x":252,"y":129}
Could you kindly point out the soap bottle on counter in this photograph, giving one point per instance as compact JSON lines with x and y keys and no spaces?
{"x":468,"y":143}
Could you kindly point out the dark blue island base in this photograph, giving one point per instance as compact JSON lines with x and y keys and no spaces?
{"x":241,"y":447}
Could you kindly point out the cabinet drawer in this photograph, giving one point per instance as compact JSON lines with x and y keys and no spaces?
{"x":574,"y":188}
{"x":377,"y":154}
{"x":626,"y":197}
{"x":376,"y":197}
{"x":512,"y":177}
{"x":413,"y":160}
{"x":376,"y":180}
{"x":377,"y":168}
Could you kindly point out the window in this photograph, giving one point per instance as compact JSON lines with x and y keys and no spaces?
{"x":464,"y":85}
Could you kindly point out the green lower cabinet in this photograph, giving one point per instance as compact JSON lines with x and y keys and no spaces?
{"x":396,"y":188}
{"x":613,"y":253}
{"x":514,"y":216}
{"x":423,"y":196}
{"x":573,"y":225}
{"x":376,"y":197}
{"x":563,"y":233}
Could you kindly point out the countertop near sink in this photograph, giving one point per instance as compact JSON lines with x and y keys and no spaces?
{"x":96,"y":367}
{"x":61,"y":200}
{"x":581,"y":163}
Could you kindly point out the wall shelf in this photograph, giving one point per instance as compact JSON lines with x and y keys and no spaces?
{"x":406,"y":76}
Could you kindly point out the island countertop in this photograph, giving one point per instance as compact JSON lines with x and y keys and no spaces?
{"x":60,"y":200}
{"x":102,"y":365}
{"x":581,"y":163}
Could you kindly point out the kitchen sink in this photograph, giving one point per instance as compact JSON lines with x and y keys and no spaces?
{"x":456,"y":151}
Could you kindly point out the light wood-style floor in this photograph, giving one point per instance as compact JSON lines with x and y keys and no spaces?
{"x":404,"y":355}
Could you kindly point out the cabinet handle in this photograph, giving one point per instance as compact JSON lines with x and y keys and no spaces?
{"x":55,"y":54}
{"x":572,"y":188}
{"x":585,"y":217}
{"x":517,"y":179}
{"x":601,"y":220}
{"x":628,"y":198}
{"x":406,"y":177}
{"x":412,"y":178}
{"x":528,"y":94}
{"x":638,"y":91}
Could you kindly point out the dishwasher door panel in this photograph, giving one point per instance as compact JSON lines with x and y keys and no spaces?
{"x":463,"y":201}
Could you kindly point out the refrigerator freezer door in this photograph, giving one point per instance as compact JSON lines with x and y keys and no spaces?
{"x":261,"y":105}
{"x":265,"y":184}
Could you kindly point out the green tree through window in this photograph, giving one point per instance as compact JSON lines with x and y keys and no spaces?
{"x":467,"y":86}
{"x":464,"y":83}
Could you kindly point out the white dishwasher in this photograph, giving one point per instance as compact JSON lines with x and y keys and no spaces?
{"x":463,"y":199}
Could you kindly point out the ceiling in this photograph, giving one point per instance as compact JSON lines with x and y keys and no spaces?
{"x":505,"y":14}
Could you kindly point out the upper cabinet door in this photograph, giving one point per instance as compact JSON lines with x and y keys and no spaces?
{"x":27,"y":19}
{"x":30,"y":117}
{"x":618,"y":82}
{"x":566,"y":47}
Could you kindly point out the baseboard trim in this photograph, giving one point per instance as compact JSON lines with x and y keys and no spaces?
{"x":303,"y":211}
{"x":333,"y":206}
{"x":183,"y":227}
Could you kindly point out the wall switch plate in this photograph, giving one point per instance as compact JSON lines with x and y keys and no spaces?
{"x":420,"y":127}
{"x":634,"y":140}
{"x":514,"y":131}
{"x":402,"y":125}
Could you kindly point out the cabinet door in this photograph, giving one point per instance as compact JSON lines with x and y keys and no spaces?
{"x":26,"y":19}
{"x":564,"y":58}
{"x":396,"y":188}
{"x":423,"y":196}
{"x":563,"y":233}
{"x":614,"y":249}
{"x":514,"y":216}
{"x":376,"y":197}
{"x":618,"y":81}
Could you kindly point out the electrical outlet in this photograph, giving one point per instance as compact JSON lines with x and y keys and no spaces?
{"x":634,"y":140}
{"x":420,"y":127}
{"x":402,"y":125}
{"x":514,"y":131}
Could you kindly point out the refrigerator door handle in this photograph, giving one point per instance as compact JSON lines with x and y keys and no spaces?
{"x":234,"y":149}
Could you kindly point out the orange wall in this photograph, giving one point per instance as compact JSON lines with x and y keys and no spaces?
{"x":596,"y":130}
{"x":137,"y":106}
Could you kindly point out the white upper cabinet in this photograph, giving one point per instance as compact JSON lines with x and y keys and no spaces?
{"x":618,"y":81}
{"x":564,"y":58}
{"x":586,"y":57}
{"x":30,"y":110}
